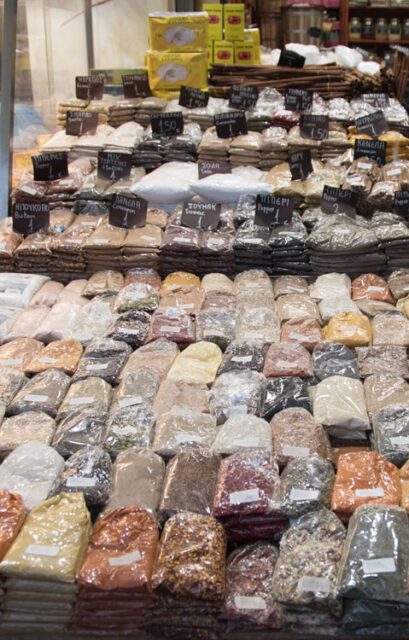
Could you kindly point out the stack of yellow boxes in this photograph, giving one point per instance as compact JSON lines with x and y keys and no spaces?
{"x":229,"y":42}
{"x":178,"y":52}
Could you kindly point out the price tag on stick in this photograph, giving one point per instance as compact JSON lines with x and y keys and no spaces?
{"x":373,"y":125}
{"x":167,"y":124}
{"x":114,"y":166}
{"x":336,"y":200}
{"x":300,"y":164}
{"x":299,"y":100}
{"x":201,"y":215}
{"x":373,"y":149}
{"x":192,"y":98}
{"x":30,"y":217}
{"x":89,"y":87}
{"x":273,"y":211}
{"x":80,"y":122}
{"x":377,"y":100}
{"x":401,"y":204}
{"x":50,"y":166}
{"x":291,"y":59}
{"x":136,"y":85}
{"x":243,"y":97}
{"x":314,"y":127}
{"x":208,"y":168}
{"x":129,"y":213}
{"x":230,"y":125}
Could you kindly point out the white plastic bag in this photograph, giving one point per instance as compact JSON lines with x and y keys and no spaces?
{"x":169,"y":183}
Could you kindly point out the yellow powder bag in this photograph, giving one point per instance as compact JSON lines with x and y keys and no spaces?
{"x":197,"y":364}
{"x":181,"y":32}
{"x":179,"y":279}
{"x":350,"y":328}
{"x":169,"y":71}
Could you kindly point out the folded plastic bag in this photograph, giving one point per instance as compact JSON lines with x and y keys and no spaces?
{"x":89,"y":471}
{"x":236,"y":393}
{"x":198,"y":363}
{"x":26,"y":427}
{"x":239,"y":433}
{"x":170,"y":183}
{"x":44,"y":392}
{"x":78,"y":430}
{"x":339,"y":401}
{"x":349,"y":328}
{"x":287,"y":360}
{"x":183,"y":428}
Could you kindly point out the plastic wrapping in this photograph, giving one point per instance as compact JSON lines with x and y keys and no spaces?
{"x":186,"y":298}
{"x":63,"y":355}
{"x":158,"y":356}
{"x":198,"y":364}
{"x":170,"y":183}
{"x":59,"y":322}
{"x":190,"y":483}
{"x":334,"y":359}
{"x":374,"y":562}
{"x":103,"y":358}
{"x":398,"y":282}
{"x":349,"y":328}
{"x":13,"y":514}
{"x":139,"y":296}
{"x":339,"y":401}
{"x":239,"y":357}
{"x":287,"y":360}
{"x":17,"y":289}
{"x":331,"y":285}
{"x":60,"y":527}
{"x":306,"y":484}
{"x":388,"y":360}
{"x":130,"y":426}
{"x":47,"y":295}
{"x":78,"y":430}
{"x":179,"y":279}
{"x":173,"y":393}
{"x":296,"y":435}
{"x":31,"y":470}
{"x":382,"y":391}
{"x":191,"y":560}
{"x":25,"y":427}
{"x":137,"y":479}
{"x":252,"y":601}
{"x":216,"y":325}
{"x":104,"y":283}
{"x":11,"y":381}
{"x":296,"y":305}
{"x":390,"y":329}
{"x":131,"y":327}
{"x":7,"y":317}
{"x":91,"y":393}
{"x":371,"y":286}
{"x":285,"y":285}
{"x":391,"y":433}
{"x":94,"y":320}
{"x":283,"y":393}
{"x":218,"y":282}
{"x":172,"y":324}
{"x":330,"y":307}
{"x":183,"y":428}
{"x":228,"y":187}
{"x":26,"y":323}
{"x":257,"y":326}
{"x":236,"y":393}
{"x":239,"y":433}
{"x":88,"y":470}
{"x":303,"y":331}
{"x":45,"y":392}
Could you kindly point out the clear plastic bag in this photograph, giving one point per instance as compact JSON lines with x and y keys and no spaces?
{"x":13,"y":514}
{"x":17,"y":289}
{"x":11,"y":381}
{"x":285,"y":285}
{"x":330,"y":307}
{"x":172,"y":324}
{"x":252,"y":279}
{"x":257,"y":326}
{"x":47,"y":295}
{"x":188,"y":298}
{"x":63,"y":355}
{"x":398,"y":282}
{"x":183,"y":428}
{"x":303,"y":331}
{"x":334,"y":359}
{"x":139,"y":296}
{"x":391,"y":433}
{"x":381,"y":391}
{"x":94,"y":320}
{"x":130,"y":426}
{"x":78,"y":430}
{"x":218,"y":282}
{"x":91,"y":393}
{"x":390,"y":329}
{"x":371,"y":286}
{"x":104,"y":283}
{"x":239,"y":357}
{"x":236,"y":393}
{"x":137,"y":387}
{"x":306,"y":484}
{"x":216,"y":325}
{"x":59,"y":323}
{"x":239,"y":433}
{"x":31,"y":470}
{"x":296,"y":435}
{"x":131,"y":327}
{"x":296,"y":305}
{"x":331,"y":285}
{"x":158,"y":356}
{"x":349,"y":328}
{"x":288,"y":360}
{"x":197,"y":364}
{"x":103,"y":358}
{"x":339,"y":401}
{"x":45,"y":392}
{"x":26,"y":323}
{"x":173,"y":393}
{"x":388,"y":360}
{"x":283,"y":393}
{"x":25,"y":427}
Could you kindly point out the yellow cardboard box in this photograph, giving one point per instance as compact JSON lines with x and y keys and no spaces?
{"x":215,"y":24}
{"x":233,"y":21}
{"x":254,"y":33}
{"x":210,"y":53}
{"x":168,"y":71}
{"x":223,"y":52}
{"x":173,"y":31}
{"x":244,"y":51}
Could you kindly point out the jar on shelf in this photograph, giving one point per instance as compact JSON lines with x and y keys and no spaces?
{"x":368,"y":32}
{"x":405,"y":30}
{"x":355,"y":29}
{"x":381,"y":29}
{"x":394,"y":30}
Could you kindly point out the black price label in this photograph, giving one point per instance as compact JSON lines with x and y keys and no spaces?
{"x":314,"y":127}
{"x":114,"y":166}
{"x":298,"y":100}
{"x":201,"y":215}
{"x":208,"y":168}
{"x":129,"y":213}
{"x":273,"y":211}
{"x":167,"y":124}
{"x":291,"y":59}
{"x":401,"y":204}
{"x":192,"y":98}
{"x":89,"y":87}
{"x":30,"y":217}
{"x":136,"y":85}
{"x":336,"y":200}
{"x":373,"y":125}
{"x":373,"y":149}
{"x":50,"y":166}
{"x":377,"y":100}
{"x":405,"y":100}
{"x":300,"y":164}
{"x":80,"y":122}
{"x":230,"y":125}
{"x":243,"y":97}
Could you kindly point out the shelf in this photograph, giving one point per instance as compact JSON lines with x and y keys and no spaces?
{"x":401,"y":42}
{"x":377,"y":9}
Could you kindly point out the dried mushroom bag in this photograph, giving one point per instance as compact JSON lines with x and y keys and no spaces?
{"x":190,"y":483}
{"x":44,"y":392}
{"x":236,"y":393}
{"x":191,"y":559}
{"x":12,"y":516}
{"x":390,"y":329}
{"x":11,"y":381}
{"x":89,"y":471}
{"x":388,"y":360}
{"x":137,"y":480}
{"x":52,"y":541}
{"x":305,"y":485}
{"x":296,"y":435}
{"x":173,"y":393}
{"x":131,"y":327}
{"x":239,"y":357}
{"x":182,"y":428}
{"x":288,"y":360}
{"x":334,"y":359}
{"x":384,"y":390}
{"x":79,"y":429}
{"x":136,"y":296}
{"x":285,"y":285}
{"x":158,"y":356}
{"x":31,"y":470}
{"x":285,"y":392}
{"x":391,"y":433}
{"x":26,"y":427}
{"x":179,"y":279}
{"x":63,"y":355}
{"x":19,"y":352}
{"x":248,"y":483}
{"x":198,"y":363}
{"x":91,"y":393}
{"x":296,"y":305}
{"x":371,"y":286}
{"x":252,"y":601}
{"x":216,"y":325}
{"x":306,"y":572}
{"x":104,"y":283}
{"x":339,"y":401}
{"x":349,"y":328}
{"x":121,"y":552}
{"x":131,"y":426}
{"x":374,"y":563}
{"x":239,"y":433}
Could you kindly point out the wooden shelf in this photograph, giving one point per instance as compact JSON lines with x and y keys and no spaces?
{"x":377,"y":9}
{"x":401,"y":42}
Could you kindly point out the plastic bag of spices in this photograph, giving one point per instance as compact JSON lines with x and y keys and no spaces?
{"x":391,"y":433}
{"x":371,"y":286}
{"x":297,"y":435}
{"x":11,"y":381}
{"x":44,"y":392}
{"x":288,"y":360}
{"x":131,"y":426}
{"x":334,"y":358}
{"x":285,"y":392}
{"x":91,"y":393}
{"x":305,"y":485}
{"x":241,"y":433}
{"x":390,"y":328}
{"x":25,"y":427}
{"x":236,"y":393}
{"x":349,"y":328}
{"x":89,"y":470}
{"x":80,"y":429}
{"x":183,"y":428}
{"x":13,"y":513}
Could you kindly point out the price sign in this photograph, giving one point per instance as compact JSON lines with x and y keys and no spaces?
{"x":129,"y":213}
{"x":299,"y":100}
{"x":167,"y":124}
{"x":230,"y":125}
{"x":114,"y":166}
{"x":243,"y":97}
{"x":291,"y":59}
{"x":208,"y":168}
{"x":401,"y":204}
{"x":30,"y":217}
{"x":201,"y":215}
{"x":80,"y":122}
{"x":373,"y":125}
{"x":192,"y":98}
{"x":377,"y":100}
{"x":314,"y":127}
{"x":336,"y":200}
{"x":136,"y":85}
{"x":50,"y":166}
{"x":300,"y":164}
{"x":89,"y":87}
{"x":273,"y":211}
{"x":373,"y":149}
